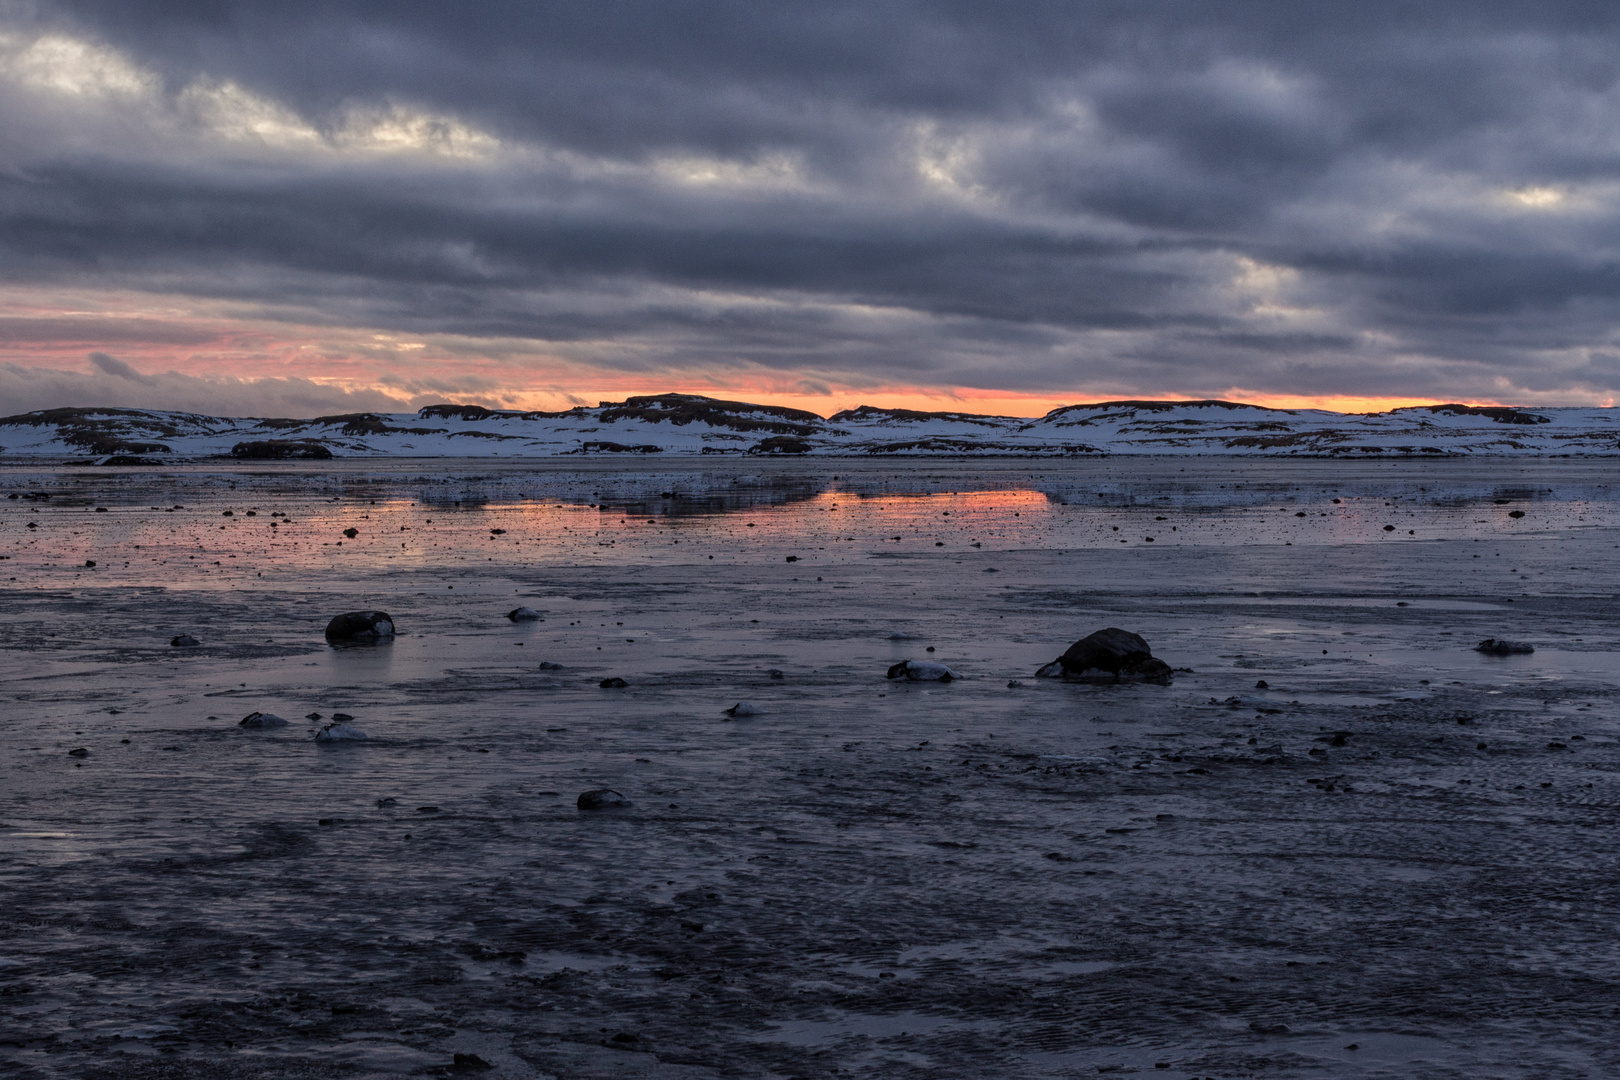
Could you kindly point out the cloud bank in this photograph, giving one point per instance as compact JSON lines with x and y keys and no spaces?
{"x":1097,"y":198}
{"x":115,"y":384}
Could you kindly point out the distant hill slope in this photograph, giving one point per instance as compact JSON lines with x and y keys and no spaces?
{"x":690,"y":424}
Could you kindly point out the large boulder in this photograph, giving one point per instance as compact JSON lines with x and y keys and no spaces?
{"x":1111,"y":655}
{"x":360,"y":627}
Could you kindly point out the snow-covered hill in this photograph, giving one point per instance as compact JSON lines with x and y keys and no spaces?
{"x":688,"y":424}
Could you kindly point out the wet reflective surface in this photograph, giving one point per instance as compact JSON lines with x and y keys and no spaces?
{"x":867,"y":878}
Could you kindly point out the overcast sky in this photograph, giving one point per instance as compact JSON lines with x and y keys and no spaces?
{"x":257,"y":207}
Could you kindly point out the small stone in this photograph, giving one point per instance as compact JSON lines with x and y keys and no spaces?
{"x":342,"y":718}
{"x":388,"y":801}
{"x":1515,"y":513}
{"x":776,"y":673}
{"x":427,"y":809}
{"x":90,"y":563}
{"x":743,"y":708}
{"x":1262,"y":685}
{"x":465,"y":1063}
{"x":261,"y":720}
{"x":602,"y":799}
{"x":614,"y":683}
{"x":921,"y":671}
{"x":351,"y":533}
{"x":1014,"y":684}
{"x":547,"y":665}
{"x":792,"y":558}
{"x":78,"y":752}
{"x":1503,"y":647}
{"x":312,"y":716}
{"x":184,"y":641}
{"x":524,"y":614}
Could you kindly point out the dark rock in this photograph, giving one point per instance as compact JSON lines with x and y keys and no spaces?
{"x":780,"y":444}
{"x":90,"y":563}
{"x":388,"y":800}
{"x":742,"y":708}
{"x":602,"y":799}
{"x":524,"y":614}
{"x":776,"y":673}
{"x":360,"y":627}
{"x":1503,"y":647}
{"x":547,"y":665}
{"x":1515,"y":513}
{"x":79,"y":752}
{"x":261,"y":720}
{"x":468,"y":1063}
{"x":282,"y":450}
{"x":1262,"y":685}
{"x":614,"y":683}
{"x":184,"y":640}
{"x":1268,"y":1029}
{"x":312,"y":716}
{"x":351,"y":532}
{"x":792,"y":558}
{"x":922,"y":671}
{"x":1110,"y":655}
{"x":342,"y":718}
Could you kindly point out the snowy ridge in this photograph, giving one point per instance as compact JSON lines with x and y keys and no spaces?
{"x":689,"y":424}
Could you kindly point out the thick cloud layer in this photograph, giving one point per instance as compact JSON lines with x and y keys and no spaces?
{"x":1384,"y":200}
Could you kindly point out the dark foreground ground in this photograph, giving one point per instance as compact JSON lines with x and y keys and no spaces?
{"x":1399,"y":859}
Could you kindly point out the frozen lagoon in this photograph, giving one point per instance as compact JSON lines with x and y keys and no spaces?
{"x":867,"y":878}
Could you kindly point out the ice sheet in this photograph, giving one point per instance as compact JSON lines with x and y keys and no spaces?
{"x":887,"y":879}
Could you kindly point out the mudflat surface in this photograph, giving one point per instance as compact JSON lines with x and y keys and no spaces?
{"x":1396,"y":859}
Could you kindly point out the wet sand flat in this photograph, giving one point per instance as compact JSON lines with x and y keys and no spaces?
{"x":1397,"y":858}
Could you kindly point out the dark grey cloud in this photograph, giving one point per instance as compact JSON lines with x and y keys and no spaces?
{"x":1386,"y":198}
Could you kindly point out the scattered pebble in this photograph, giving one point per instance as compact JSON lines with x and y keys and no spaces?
{"x":184,"y":640}
{"x":614,"y":683}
